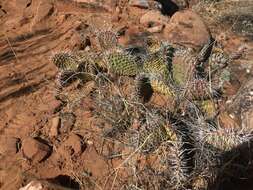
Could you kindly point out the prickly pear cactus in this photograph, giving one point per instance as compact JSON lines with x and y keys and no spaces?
{"x":66,"y":61}
{"x":208,"y":108}
{"x":122,"y":63}
{"x":107,"y":39}
{"x":158,"y":69}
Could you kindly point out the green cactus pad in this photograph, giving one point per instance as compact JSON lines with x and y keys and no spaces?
{"x":122,"y":64}
{"x":66,"y":61}
{"x":208,"y":108}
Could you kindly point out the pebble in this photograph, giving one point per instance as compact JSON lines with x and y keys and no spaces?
{"x":55,"y":124}
{"x":155,"y":29}
{"x":33,"y":185}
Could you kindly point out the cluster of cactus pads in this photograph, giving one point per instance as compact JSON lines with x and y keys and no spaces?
{"x":188,"y":139}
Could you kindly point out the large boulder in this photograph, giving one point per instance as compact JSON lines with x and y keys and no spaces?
{"x":153,"y":18}
{"x":187,"y":28}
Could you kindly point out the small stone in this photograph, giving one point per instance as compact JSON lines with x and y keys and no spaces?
{"x":35,"y":150}
{"x":55,"y":124}
{"x":153,"y":18}
{"x":8,"y":145}
{"x":139,"y":3}
{"x":33,"y":185}
{"x":55,"y":106}
{"x":187,"y":28}
{"x":155,"y":29}
{"x":89,"y":142}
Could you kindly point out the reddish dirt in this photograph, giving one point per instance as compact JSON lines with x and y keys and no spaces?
{"x":31,"y":31}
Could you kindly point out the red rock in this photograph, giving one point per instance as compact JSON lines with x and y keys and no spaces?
{"x":187,"y":28}
{"x":99,"y":167}
{"x":35,"y":150}
{"x":73,"y":146}
{"x":55,"y":124}
{"x":133,"y":36}
{"x":54,"y":106}
{"x":50,"y":104}
{"x":133,"y":30}
{"x":75,"y":142}
{"x":44,"y":9}
{"x":8,"y":145}
{"x":153,"y":18}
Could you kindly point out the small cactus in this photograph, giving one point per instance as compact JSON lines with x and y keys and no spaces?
{"x":66,"y":61}
{"x":177,"y":165}
{"x":218,"y":59}
{"x":107,"y":39}
{"x":152,"y":133}
{"x":122,"y":64}
{"x":208,"y":108}
{"x":163,"y":88}
{"x":227,"y":139}
{"x":199,"y":89}
{"x":157,"y":69}
{"x":192,"y":152}
{"x":153,"y":44}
